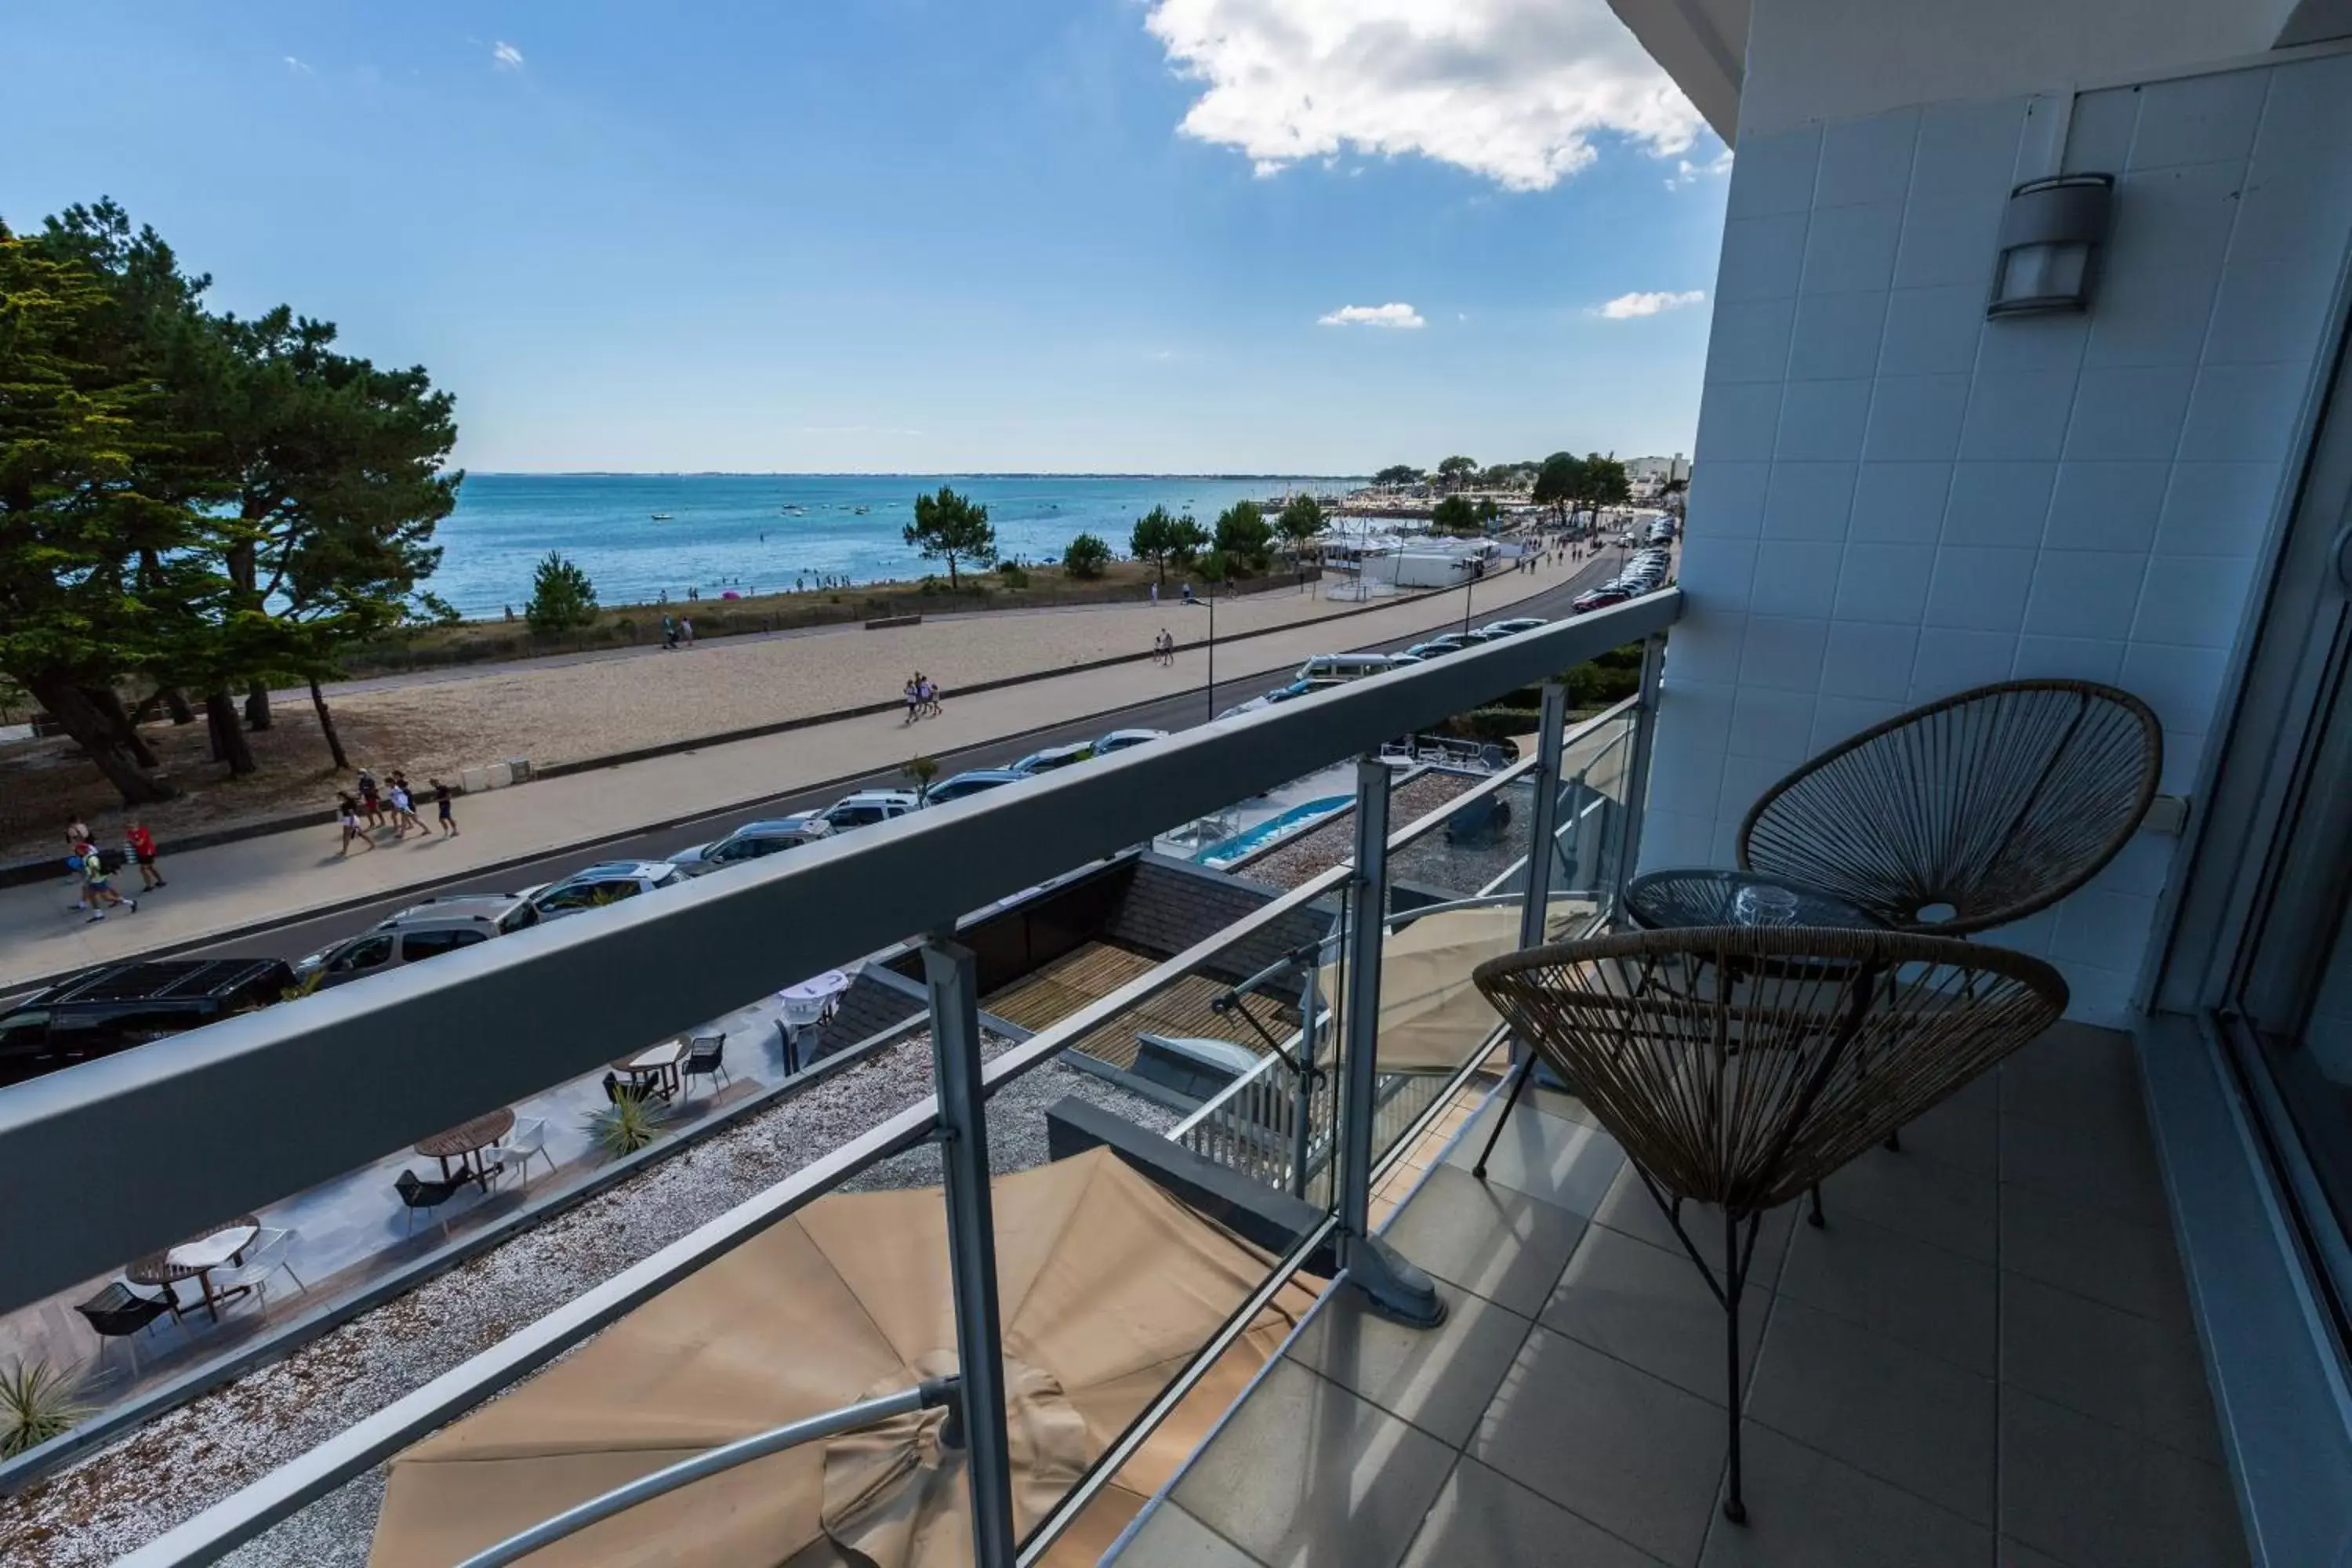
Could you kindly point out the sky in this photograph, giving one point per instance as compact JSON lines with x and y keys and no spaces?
{"x":1108,"y":235}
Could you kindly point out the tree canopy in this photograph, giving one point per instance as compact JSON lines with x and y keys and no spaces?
{"x":188,"y":499}
{"x":1243,"y":536}
{"x":1397,"y":475}
{"x":951,"y":528}
{"x":1085,"y":556}
{"x":561,"y":596}
{"x":1457,"y":471}
{"x":1164,"y":541}
{"x":1560,"y":480}
{"x":1301,"y":519}
{"x":1455,"y":514}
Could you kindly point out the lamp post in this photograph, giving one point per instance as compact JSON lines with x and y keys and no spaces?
{"x":1469,"y":575}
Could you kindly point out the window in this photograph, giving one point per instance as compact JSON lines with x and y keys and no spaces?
{"x":417,"y":944}
{"x":368,"y":953}
{"x":518,"y":918}
{"x":737,"y":849}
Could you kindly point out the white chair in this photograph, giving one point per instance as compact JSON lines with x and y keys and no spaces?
{"x":263,"y":1257}
{"x":526,"y":1137}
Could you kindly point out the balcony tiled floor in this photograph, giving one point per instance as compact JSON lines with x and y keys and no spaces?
{"x":1984,"y":1359}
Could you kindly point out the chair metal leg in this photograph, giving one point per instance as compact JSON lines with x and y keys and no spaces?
{"x":1813,"y":1208}
{"x":1894,"y":1142}
{"x":1736,"y":1261}
{"x":1521,"y":1072}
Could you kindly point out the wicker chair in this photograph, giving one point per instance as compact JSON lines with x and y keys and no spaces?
{"x":1993,"y":804}
{"x":1739,"y":1066}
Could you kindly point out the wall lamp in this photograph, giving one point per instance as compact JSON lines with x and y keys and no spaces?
{"x":2050,"y":240}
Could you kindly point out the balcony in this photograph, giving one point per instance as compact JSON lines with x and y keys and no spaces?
{"x":1986,"y":1351}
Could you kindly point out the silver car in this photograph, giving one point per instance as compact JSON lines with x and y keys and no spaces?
{"x":751,"y":842}
{"x":426,"y":930}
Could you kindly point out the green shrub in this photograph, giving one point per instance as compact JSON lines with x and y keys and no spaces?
{"x":627,"y":1125}
{"x":1012,"y":574}
{"x":626,"y":627}
{"x":36,"y":1402}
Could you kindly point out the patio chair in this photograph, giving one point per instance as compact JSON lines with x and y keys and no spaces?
{"x":415,"y":1193}
{"x":706,"y":1056}
{"x":525,"y":1142}
{"x":639,"y":1090}
{"x":1738,"y":1066}
{"x":118,"y":1312}
{"x":264,"y":1257}
{"x":1967,"y":814}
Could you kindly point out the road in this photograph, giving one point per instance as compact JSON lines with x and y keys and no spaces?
{"x":293,"y":938}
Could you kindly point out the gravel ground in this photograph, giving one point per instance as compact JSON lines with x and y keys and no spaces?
{"x":192,"y":1457}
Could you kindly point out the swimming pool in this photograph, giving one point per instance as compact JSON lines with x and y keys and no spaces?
{"x":1224,"y":852}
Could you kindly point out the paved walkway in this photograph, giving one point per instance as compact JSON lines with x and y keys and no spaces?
{"x":235,"y":886}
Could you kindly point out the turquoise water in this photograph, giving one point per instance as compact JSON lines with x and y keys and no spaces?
{"x":735,"y":530}
{"x":1226,"y":851}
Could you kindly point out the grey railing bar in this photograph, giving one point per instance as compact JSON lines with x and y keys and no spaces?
{"x":377,"y":1065}
{"x":244,"y":1514}
{"x":686,"y":1472}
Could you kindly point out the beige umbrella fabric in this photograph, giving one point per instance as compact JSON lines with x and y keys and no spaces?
{"x":1106,"y":1286}
{"x":1431,"y":1015}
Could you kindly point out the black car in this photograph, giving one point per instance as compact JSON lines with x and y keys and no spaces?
{"x":125,"y":1004}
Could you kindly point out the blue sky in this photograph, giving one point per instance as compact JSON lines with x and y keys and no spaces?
{"x":921,"y":233}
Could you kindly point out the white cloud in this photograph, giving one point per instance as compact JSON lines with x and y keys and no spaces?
{"x":1392,"y":315}
{"x":1515,"y":90}
{"x":506,"y":55}
{"x":1626,"y":307}
{"x":1687,"y":174}
{"x":298,"y":68}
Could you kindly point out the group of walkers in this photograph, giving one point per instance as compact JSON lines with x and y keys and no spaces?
{"x":93,"y":867}
{"x":922,"y":698}
{"x":674,"y":629}
{"x":369,"y":804}
{"x":1163,"y":647}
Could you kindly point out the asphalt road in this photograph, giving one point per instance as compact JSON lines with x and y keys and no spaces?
{"x":293,"y":938}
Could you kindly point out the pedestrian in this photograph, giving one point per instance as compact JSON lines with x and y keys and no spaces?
{"x":98,"y":882}
{"x":347,"y":812}
{"x":143,"y":851}
{"x":669,"y":634}
{"x":1155,"y":592}
{"x":927,"y":691}
{"x":441,"y":807}
{"x":914,"y":700}
{"x":370,"y":807}
{"x":686,"y":629}
{"x":403,"y":812}
{"x":77,"y":834}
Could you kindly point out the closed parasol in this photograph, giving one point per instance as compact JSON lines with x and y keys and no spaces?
{"x":1431,"y":1015}
{"x":1108,"y":1286}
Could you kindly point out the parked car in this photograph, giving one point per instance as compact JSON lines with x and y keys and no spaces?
{"x":867,"y":806}
{"x":1121,"y":740}
{"x":119,"y":1005}
{"x":970,"y":783}
{"x":593,"y":887}
{"x":1346,"y":666}
{"x":751,"y":842}
{"x":1436,"y":648}
{"x":1054,"y":757}
{"x":1297,"y":688}
{"x":423,"y":930}
{"x":1512,"y":627}
{"x":1599,"y":598}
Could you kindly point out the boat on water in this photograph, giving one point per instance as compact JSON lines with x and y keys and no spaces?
{"x":661,"y":517}
{"x":861,"y":511}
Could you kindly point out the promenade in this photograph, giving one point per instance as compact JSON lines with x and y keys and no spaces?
{"x":279,"y":877}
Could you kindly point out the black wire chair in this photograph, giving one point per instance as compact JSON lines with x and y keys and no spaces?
{"x":1740,"y":1066}
{"x":1967,"y":814}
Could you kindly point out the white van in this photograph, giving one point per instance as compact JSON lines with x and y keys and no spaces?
{"x":1350,"y":665}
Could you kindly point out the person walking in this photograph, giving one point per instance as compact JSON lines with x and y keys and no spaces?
{"x":348,"y":814}
{"x":1155,"y":592}
{"x":97,"y":880}
{"x":686,"y":629}
{"x":927,"y":691}
{"x":914,"y":700}
{"x":370,"y":802}
{"x":77,"y":834}
{"x":404,"y":808}
{"x":669,"y":634}
{"x":441,"y":807}
{"x":142,"y":845}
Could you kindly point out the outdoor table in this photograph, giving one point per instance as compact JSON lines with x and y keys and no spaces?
{"x":657,"y":1066}
{"x":811,"y":1001}
{"x":1710,"y":896}
{"x":196,"y":1259}
{"x":464,"y":1141}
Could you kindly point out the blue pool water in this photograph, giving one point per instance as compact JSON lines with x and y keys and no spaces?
{"x":1226,"y":851}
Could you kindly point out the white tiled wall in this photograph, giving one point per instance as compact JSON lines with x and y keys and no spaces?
{"x":1895,"y":499}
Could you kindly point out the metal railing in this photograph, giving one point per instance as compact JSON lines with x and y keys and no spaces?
{"x":389,"y":1059}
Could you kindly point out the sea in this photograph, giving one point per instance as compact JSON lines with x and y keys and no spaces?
{"x":641,"y":536}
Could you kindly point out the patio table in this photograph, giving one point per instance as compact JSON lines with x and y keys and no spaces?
{"x":464,"y":1143}
{"x":812,"y":1000}
{"x":196,"y":1259}
{"x":657,"y":1066}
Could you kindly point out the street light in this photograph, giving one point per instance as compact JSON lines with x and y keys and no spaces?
{"x":1469,"y":575}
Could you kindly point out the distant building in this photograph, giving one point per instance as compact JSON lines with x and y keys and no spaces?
{"x":1650,"y":475}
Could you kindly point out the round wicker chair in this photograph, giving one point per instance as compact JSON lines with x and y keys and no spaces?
{"x":1992,"y":804}
{"x":1740,"y":1066}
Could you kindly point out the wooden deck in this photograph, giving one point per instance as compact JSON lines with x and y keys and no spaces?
{"x":1090,"y":972}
